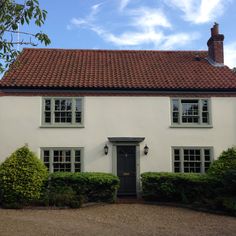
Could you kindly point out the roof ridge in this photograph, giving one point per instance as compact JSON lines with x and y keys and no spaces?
{"x":114,"y":50}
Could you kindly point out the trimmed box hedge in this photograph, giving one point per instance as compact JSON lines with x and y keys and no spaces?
{"x":178,"y":187}
{"x":72,"y":189}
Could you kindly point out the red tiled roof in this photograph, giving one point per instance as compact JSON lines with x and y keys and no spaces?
{"x":110,"y":69}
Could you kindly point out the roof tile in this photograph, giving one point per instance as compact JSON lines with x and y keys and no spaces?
{"x":124,"y":69}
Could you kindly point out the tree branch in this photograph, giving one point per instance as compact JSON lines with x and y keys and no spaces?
{"x":20,"y":32}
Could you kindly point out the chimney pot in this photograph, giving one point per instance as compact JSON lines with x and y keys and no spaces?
{"x":215,"y":30}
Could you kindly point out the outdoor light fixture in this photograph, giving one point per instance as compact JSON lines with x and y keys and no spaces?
{"x":106,"y":149}
{"x":146,"y":149}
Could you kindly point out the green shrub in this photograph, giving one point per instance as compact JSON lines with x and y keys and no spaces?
{"x":225,"y":163}
{"x":228,"y":154}
{"x":178,"y":187}
{"x":22,"y":176}
{"x":85,"y":186}
{"x":229,"y":183}
{"x":229,"y":204}
{"x":63,"y":196}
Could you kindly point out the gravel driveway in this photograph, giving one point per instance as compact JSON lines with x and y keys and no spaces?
{"x":115,"y":219}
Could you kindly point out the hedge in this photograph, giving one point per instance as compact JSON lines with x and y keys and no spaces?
{"x":72,"y":189}
{"x":178,"y":187}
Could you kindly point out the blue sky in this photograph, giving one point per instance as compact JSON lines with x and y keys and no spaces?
{"x":139,"y":24}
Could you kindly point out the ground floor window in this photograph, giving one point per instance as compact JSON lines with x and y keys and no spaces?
{"x":191,"y":159}
{"x":62,"y":159}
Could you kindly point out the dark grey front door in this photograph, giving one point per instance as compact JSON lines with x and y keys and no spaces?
{"x":126,"y":169}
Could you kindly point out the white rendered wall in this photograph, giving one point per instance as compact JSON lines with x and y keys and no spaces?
{"x":149,"y":117}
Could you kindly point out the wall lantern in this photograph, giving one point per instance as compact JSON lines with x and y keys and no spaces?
{"x":146,"y":149}
{"x":106,"y":149}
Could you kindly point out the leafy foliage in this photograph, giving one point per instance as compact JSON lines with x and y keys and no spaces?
{"x":11,"y":16}
{"x":216,"y":189}
{"x":61,"y":196}
{"x":225,"y":163}
{"x":177,"y":187}
{"x":80,"y":187}
{"x":22,"y":176}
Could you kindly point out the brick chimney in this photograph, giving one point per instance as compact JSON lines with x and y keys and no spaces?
{"x":215,"y":47}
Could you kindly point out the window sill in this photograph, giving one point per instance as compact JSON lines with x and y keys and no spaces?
{"x":192,"y":126}
{"x":61,"y":126}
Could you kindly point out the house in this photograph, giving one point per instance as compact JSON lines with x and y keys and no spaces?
{"x":123,"y":112}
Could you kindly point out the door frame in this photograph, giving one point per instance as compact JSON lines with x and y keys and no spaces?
{"x":137,"y":158}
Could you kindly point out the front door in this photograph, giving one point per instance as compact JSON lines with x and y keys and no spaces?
{"x":126,"y":169}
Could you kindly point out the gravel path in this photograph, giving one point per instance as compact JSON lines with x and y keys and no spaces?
{"x":115,"y":219}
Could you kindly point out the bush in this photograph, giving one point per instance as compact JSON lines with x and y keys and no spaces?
{"x":178,"y":187}
{"x":83,"y":187}
{"x":229,"y":154}
{"x":61,"y":197}
{"x":228,"y":204}
{"x":22,"y":176}
{"x":225,"y":163}
{"x":229,"y":182}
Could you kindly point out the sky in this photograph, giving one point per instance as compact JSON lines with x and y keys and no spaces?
{"x":139,"y":24}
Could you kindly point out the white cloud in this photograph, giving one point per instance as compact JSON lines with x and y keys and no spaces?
{"x":146,"y":27}
{"x":199,"y":11}
{"x":123,"y":4}
{"x":135,"y":38}
{"x":179,"y":39}
{"x":80,"y":22}
{"x":148,"y":18}
{"x":230,"y":54}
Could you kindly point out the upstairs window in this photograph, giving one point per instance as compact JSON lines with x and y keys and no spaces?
{"x":190,"y":112}
{"x":62,"y":112}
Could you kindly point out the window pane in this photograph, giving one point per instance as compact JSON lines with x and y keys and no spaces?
{"x":78,"y":117}
{"x":204,"y":105}
{"x":77,"y":156}
{"x":63,"y":111}
{"x":62,"y":160}
{"x":77,"y":167}
{"x":47,"y":117}
{"x":78,"y":111}
{"x":47,"y":111}
{"x":78,"y":105}
{"x":190,"y":113}
{"x":192,"y":160}
{"x":175,"y":111}
{"x":57,"y":105}
{"x":207,"y":158}
{"x":46,"y":158}
{"x":47,"y":105}
{"x":177,"y":163}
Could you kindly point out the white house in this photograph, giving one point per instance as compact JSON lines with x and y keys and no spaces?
{"x":123,"y":112}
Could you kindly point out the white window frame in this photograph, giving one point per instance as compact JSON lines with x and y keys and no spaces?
{"x":53,"y":124}
{"x":181,"y":150}
{"x":200,"y":124}
{"x":72,"y":149}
